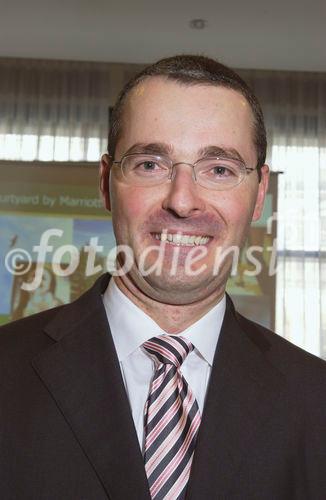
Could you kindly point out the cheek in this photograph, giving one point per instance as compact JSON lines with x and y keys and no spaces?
{"x":236,"y":211}
{"x":130,"y":206}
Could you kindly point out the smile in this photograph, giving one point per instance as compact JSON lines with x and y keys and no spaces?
{"x":182,"y":239}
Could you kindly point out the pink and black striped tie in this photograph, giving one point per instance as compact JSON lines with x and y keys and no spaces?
{"x":172,"y":420}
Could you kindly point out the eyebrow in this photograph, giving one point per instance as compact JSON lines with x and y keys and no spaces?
{"x":161,"y":148}
{"x":210,"y":151}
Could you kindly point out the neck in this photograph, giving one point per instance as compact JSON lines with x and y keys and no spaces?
{"x":170,"y":317}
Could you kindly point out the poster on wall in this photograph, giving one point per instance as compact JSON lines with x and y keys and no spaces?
{"x":57,"y":207}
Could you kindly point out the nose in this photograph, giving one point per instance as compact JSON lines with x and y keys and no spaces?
{"x":183,"y":197}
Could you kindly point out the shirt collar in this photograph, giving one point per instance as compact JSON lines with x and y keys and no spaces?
{"x":131,"y":327}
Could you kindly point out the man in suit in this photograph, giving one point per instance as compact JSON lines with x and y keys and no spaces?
{"x":151,"y":385}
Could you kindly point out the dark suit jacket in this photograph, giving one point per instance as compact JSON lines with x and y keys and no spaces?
{"x":67,"y":432}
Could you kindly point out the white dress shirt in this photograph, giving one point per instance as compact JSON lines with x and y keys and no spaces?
{"x":131,"y":327}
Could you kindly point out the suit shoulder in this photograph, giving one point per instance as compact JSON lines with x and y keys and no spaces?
{"x":22,"y":334}
{"x":282,"y":353}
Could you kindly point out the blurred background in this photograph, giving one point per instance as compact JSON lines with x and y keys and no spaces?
{"x":61,"y":66}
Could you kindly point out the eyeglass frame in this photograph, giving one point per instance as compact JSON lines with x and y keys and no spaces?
{"x":246,"y":170}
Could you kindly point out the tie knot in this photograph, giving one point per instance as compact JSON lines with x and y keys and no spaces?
{"x":168,"y":349}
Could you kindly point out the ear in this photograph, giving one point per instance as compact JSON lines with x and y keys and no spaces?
{"x":105,"y":168}
{"x":262,"y":190}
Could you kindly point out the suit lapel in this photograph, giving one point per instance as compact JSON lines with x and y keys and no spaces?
{"x":241,"y":394}
{"x":82,"y":373}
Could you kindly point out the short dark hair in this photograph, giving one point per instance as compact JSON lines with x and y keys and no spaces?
{"x":192,"y":70}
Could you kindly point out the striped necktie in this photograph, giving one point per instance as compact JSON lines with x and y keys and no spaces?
{"x":172,"y":420}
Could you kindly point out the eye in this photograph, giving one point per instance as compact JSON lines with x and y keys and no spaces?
{"x":147,"y":166}
{"x":144,"y":166}
{"x":224,"y":170}
{"x":221,"y":171}
{"x":218,"y":171}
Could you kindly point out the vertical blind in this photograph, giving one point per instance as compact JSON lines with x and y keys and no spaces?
{"x":56,"y":110}
{"x":294,"y":105}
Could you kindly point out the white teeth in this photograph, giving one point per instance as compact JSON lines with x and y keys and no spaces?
{"x":182,"y":239}
{"x":177,"y":238}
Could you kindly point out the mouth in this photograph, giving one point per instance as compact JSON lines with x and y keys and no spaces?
{"x":179,"y":239}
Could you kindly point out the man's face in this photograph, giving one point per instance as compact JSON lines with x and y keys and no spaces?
{"x":182,"y":121}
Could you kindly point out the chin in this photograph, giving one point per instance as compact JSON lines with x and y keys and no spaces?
{"x":179,"y":289}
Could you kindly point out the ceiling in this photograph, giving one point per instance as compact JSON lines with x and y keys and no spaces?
{"x":288,"y":34}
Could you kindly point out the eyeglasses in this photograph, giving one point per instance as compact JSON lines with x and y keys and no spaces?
{"x":212,"y":173}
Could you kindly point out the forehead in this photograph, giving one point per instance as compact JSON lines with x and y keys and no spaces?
{"x":155,"y":90}
{"x":181,"y":115}
{"x":160,"y":90}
